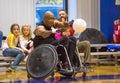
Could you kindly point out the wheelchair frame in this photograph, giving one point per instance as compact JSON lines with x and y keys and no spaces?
{"x":70,"y":71}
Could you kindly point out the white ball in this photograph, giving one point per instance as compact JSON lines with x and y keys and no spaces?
{"x":79,"y":25}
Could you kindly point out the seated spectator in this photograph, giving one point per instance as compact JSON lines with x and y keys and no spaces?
{"x":94,"y":36}
{"x":1,"y":37}
{"x":83,"y":46}
{"x":13,"y":50}
{"x":26,"y":42}
{"x":63,"y":17}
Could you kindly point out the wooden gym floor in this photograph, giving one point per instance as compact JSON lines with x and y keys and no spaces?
{"x":100,"y":74}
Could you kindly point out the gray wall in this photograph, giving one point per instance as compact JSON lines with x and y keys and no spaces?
{"x":16,"y":11}
{"x":23,"y":12}
{"x":89,"y":10}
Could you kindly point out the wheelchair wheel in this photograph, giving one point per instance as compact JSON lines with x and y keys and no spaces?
{"x":74,"y":66}
{"x":67,"y":72}
{"x":42,"y":61}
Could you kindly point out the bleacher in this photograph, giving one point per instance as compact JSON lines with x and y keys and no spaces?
{"x":95,"y":56}
{"x":109,"y":57}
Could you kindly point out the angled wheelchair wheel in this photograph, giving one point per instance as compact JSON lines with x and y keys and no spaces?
{"x":70,"y":73}
{"x":67,"y":71}
{"x":42,"y":61}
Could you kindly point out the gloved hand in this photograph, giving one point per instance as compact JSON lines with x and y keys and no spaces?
{"x":53,"y":30}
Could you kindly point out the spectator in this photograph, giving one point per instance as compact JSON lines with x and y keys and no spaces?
{"x":1,"y":37}
{"x":63,"y":17}
{"x":83,"y":46}
{"x":13,"y":50}
{"x":26,"y":42}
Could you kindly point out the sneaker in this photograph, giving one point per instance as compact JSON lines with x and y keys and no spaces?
{"x":14,"y":68}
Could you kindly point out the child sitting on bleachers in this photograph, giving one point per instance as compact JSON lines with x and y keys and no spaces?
{"x":26,"y":42}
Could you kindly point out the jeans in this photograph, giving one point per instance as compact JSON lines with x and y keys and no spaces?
{"x":10,"y":52}
{"x":1,"y":37}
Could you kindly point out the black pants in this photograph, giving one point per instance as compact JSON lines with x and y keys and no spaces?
{"x":71,"y":49}
{"x":70,"y":44}
{"x":39,"y":40}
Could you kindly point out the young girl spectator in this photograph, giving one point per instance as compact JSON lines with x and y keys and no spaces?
{"x":26,"y":42}
{"x":13,"y":50}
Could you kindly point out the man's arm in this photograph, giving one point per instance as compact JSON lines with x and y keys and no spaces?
{"x":41,"y":31}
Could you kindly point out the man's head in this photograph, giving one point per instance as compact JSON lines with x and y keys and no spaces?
{"x":49,"y":19}
{"x":63,"y":15}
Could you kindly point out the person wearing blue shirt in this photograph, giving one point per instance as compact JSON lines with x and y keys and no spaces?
{"x":1,"y":37}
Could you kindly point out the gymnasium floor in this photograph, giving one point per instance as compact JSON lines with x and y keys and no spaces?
{"x":100,"y":74}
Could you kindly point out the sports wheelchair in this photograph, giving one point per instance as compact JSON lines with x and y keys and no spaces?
{"x":46,"y":58}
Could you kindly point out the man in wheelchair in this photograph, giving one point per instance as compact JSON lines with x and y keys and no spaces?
{"x":44,"y":34}
{"x":65,"y":47}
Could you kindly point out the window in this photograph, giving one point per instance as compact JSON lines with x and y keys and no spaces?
{"x":48,"y":5}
